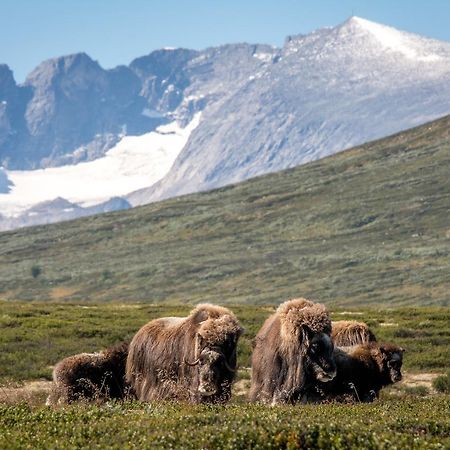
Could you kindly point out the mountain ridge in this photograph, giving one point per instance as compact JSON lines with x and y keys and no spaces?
{"x":310,"y":104}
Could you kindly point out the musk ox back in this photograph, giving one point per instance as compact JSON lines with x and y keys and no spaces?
{"x":292,"y":349}
{"x":192,"y":358}
{"x":90,"y":376}
{"x":346,"y":333}
{"x":362,"y":371}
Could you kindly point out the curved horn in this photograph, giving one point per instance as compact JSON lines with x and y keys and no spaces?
{"x":192,"y":363}
{"x":225,"y":362}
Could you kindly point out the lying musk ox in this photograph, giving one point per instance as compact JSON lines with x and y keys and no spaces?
{"x":90,"y":376}
{"x":350,"y":332}
{"x":362,"y":371}
{"x":292,"y":350}
{"x":192,"y":358}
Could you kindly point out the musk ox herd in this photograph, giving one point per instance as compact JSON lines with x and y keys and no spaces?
{"x":299,"y":356}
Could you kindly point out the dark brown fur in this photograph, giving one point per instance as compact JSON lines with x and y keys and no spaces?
{"x":346,"y":333}
{"x":162,"y":352}
{"x":292,"y":349}
{"x":362,"y":371}
{"x":90,"y":376}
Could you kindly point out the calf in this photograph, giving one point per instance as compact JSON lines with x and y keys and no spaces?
{"x":362,"y":371}
{"x":90,"y":376}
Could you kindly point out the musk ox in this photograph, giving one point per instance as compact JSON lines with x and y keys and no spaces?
{"x":362,"y":371}
{"x":292,"y":350}
{"x":90,"y":376}
{"x":191,"y":358}
{"x":346,"y":333}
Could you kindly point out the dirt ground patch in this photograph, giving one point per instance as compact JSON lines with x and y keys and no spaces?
{"x":419,"y":379}
{"x":34,"y":392}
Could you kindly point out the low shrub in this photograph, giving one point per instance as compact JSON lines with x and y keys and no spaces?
{"x":442,"y":383}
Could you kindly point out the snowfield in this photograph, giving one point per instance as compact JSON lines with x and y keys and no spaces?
{"x":133,"y":163}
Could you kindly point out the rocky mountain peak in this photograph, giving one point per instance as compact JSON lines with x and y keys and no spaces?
{"x":6,"y":79}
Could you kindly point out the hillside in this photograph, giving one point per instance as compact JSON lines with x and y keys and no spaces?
{"x":368,"y":225}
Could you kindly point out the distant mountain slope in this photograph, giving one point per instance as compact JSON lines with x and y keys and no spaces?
{"x":325,"y":92}
{"x":369,"y":225}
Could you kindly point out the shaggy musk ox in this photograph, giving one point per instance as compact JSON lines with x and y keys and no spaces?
{"x":90,"y":376}
{"x":292,"y":350}
{"x":191,"y":358}
{"x":346,"y":333}
{"x":362,"y":371}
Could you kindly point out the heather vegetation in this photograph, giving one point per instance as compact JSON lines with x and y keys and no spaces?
{"x":409,"y":423}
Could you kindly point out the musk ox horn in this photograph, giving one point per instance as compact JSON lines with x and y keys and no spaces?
{"x":228,"y":366}
{"x":192,"y":363}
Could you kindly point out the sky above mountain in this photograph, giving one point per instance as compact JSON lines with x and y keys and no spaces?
{"x":115,"y":32}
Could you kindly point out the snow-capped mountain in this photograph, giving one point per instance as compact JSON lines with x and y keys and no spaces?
{"x":327,"y":91}
{"x":92,"y":134}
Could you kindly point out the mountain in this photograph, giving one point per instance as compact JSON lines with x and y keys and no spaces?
{"x":59,"y":210}
{"x":365,"y":226}
{"x":239,"y":110}
{"x":327,"y":91}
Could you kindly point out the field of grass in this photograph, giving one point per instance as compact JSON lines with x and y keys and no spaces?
{"x":409,"y":423}
{"x":366,"y":226}
{"x":35,"y":335}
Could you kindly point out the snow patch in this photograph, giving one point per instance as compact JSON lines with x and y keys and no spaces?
{"x":265,"y":57}
{"x":396,"y":40}
{"x":133,"y":163}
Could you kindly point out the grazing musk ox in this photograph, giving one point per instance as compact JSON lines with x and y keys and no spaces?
{"x":292,"y":350}
{"x":362,"y":371}
{"x":191,"y":358}
{"x":346,"y":333}
{"x":90,"y":376}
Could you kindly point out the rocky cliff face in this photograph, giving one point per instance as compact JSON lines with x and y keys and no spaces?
{"x":70,"y":109}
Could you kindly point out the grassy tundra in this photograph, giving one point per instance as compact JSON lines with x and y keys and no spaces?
{"x":36,"y":335}
{"x":366,"y":230}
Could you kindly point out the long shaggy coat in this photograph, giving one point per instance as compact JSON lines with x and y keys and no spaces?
{"x":163,"y":360}
{"x":346,"y":333}
{"x":90,"y":376}
{"x":280,"y":361}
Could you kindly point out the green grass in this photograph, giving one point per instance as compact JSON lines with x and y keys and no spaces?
{"x":34,"y":336}
{"x":410,"y":423}
{"x":366,"y":226}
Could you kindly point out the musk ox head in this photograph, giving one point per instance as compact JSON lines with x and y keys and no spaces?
{"x":393,"y":360}
{"x":307,"y":326}
{"x":319,"y":357}
{"x":215,"y":355}
{"x":212,"y":364}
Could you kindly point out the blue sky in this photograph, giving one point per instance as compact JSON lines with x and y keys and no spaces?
{"x":114,"y":32}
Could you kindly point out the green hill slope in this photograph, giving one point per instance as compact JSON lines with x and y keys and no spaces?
{"x":369,"y":225}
